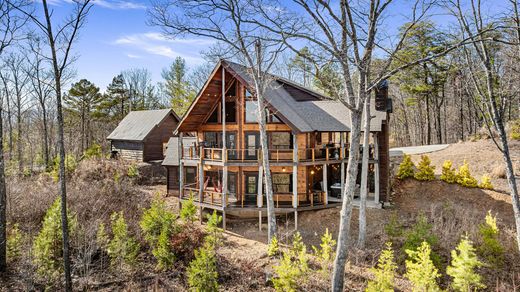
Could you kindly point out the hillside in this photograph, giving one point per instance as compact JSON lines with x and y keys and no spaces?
{"x":243,"y":264}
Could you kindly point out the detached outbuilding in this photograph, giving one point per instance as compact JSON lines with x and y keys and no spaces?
{"x":142,"y":136}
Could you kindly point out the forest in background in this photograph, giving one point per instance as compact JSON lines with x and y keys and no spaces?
{"x":433,"y":103}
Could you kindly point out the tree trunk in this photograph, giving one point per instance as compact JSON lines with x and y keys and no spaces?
{"x":45,"y":139}
{"x":271,"y":216}
{"x":3,"y":203}
{"x":61,"y":146}
{"x":346,"y":210}
{"x":364,"y":177}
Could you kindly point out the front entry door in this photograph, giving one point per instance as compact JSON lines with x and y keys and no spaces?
{"x":252,"y":144}
{"x":251,"y":188}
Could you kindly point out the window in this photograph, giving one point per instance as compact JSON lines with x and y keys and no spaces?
{"x":280,"y":140}
{"x":251,"y":185}
{"x":282,"y":182}
{"x":212,"y":139}
{"x":271,"y":117}
{"x":231,"y":112}
{"x":213,"y":118}
{"x":191,"y":176}
{"x":251,"y":111}
{"x":252,"y":143}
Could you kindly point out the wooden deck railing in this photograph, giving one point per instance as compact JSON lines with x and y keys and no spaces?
{"x":275,"y":155}
{"x":214,"y":198}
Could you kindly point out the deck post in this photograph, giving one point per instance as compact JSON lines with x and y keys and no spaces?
{"x":295,"y":219}
{"x":295,"y":173}
{"x":325,"y":187}
{"x":342,"y":145}
{"x":376,"y":168}
{"x":260,"y":220}
{"x":181,"y":166}
{"x":259,"y":198}
{"x":201,"y":181}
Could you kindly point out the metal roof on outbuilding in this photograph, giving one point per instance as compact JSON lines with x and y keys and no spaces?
{"x":138,"y":124}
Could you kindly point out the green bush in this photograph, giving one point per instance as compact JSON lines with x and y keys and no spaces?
{"x":14,"y":241}
{"x":133,"y":171}
{"x":515,"y":130}
{"x":326,"y":251}
{"x":384,"y":272}
{"x":214,"y":232}
{"x":421,"y":232}
{"x":464,"y":177}
{"x":202,"y":270}
{"x":93,"y":151}
{"x":189,"y":210}
{"x":464,"y":261}
{"x":292,"y":267}
{"x":273,"y":248}
{"x":48,"y":244}
{"x":490,"y":248}
{"x":157,"y":224}
{"x":448,"y":173}
{"x":123,"y":249}
{"x":425,"y":171}
{"x":406,"y":168}
{"x":485,"y":182}
{"x":102,"y":238}
{"x":420,"y":269}
{"x":70,"y":166}
{"x":394,"y":228}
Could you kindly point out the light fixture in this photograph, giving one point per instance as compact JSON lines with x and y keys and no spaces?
{"x":283,"y":169}
{"x":312,"y":171}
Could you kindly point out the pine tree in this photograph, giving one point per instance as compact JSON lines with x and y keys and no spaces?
{"x":81,"y":101}
{"x":406,"y":168}
{"x":177,"y":87}
{"x":420,"y":269}
{"x":491,"y":249}
{"x":464,"y":261}
{"x":464,"y":177}
{"x":485,"y":182}
{"x":48,"y":244}
{"x":122,"y":248}
{"x":384,"y":272}
{"x":115,"y":103}
{"x":448,"y":173}
{"x":425,"y":171}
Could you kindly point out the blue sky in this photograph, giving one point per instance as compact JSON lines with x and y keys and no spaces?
{"x":116,"y":37}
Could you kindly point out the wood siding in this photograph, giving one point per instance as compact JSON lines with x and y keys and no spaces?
{"x":158,"y":137}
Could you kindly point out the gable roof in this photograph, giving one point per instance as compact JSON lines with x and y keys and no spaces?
{"x":301,"y":108}
{"x":138,"y":124}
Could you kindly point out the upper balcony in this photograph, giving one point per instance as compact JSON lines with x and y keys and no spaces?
{"x":253,"y":155}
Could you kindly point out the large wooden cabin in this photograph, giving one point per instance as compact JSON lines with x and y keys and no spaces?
{"x":308,"y":138}
{"x":142,"y":136}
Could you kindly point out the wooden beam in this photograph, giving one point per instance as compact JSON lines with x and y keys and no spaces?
{"x":376,"y":168}
{"x":325,"y":187}
{"x":201,"y":182}
{"x":342,"y":180}
{"x":295,"y":172}
{"x":260,"y":199}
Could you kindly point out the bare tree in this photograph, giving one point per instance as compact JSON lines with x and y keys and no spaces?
{"x":60,"y":40}
{"x":481,"y":63}
{"x":346,"y":33}
{"x":229,"y":22}
{"x":41,"y":89}
{"x":11,"y":23}
{"x":20,"y":80}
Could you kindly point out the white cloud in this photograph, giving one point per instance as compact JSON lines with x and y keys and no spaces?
{"x":109,"y":4}
{"x":154,"y":43}
{"x":118,"y":4}
{"x":132,"y":56}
